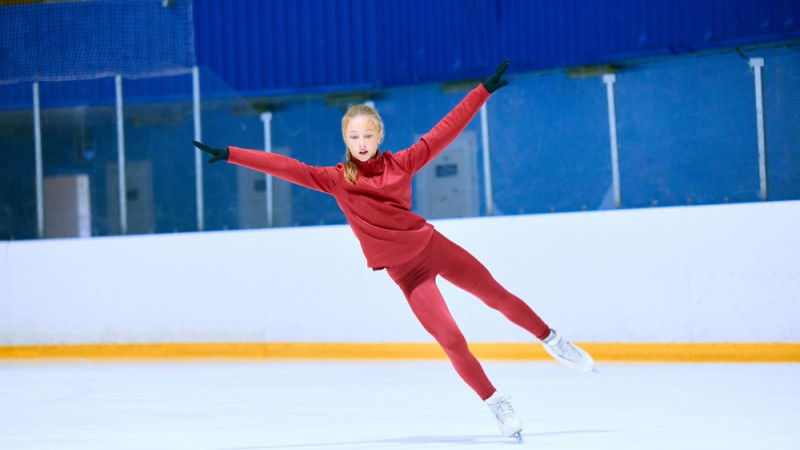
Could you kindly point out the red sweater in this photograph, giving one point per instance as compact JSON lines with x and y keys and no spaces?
{"x":378,"y":205}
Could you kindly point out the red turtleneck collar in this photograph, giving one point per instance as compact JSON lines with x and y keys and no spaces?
{"x":371,"y":167}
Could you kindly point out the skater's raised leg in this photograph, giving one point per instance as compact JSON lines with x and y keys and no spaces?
{"x":461,"y":268}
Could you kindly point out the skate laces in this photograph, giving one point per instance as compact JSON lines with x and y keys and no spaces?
{"x":568,"y":353}
{"x":566,"y":350}
{"x":504,"y":413}
{"x":503,"y":410}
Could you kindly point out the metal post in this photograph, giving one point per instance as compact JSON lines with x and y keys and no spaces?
{"x":487,"y":161}
{"x":266,"y":117}
{"x":198,"y":155}
{"x":37,"y":139}
{"x":609,"y":80}
{"x":757,"y":64}
{"x":123,"y":190}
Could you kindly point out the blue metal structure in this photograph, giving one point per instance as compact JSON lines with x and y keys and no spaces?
{"x":283,"y":47}
{"x":260,"y":47}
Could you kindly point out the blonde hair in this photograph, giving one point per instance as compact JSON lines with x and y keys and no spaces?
{"x":350,"y":169}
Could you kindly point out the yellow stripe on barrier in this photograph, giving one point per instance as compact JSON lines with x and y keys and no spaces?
{"x":631,"y":352}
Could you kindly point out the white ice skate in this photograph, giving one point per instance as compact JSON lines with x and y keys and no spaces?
{"x":567,"y":353}
{"x":507,"y":418}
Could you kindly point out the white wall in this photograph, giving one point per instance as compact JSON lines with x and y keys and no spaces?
{"x":728,"y":273}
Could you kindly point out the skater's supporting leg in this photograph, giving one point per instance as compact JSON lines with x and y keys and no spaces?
{"x":430,"y":308}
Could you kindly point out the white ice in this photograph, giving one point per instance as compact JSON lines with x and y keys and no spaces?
{"x":393,"y":405}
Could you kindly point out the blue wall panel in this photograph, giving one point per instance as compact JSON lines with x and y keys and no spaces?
{"x":278,"y":47}
{"x":687,"y":133}
{"x":286,"y":46}
{"x":782,"y":111}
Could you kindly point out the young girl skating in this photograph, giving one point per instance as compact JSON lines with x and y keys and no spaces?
{"x":373,"y":189}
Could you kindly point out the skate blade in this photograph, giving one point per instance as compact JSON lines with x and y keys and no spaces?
{"x":517,"y":436}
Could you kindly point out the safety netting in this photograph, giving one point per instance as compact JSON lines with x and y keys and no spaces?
{"x":74,"y":40}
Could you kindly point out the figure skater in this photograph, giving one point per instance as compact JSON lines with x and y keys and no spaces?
{"x":373,"y":189}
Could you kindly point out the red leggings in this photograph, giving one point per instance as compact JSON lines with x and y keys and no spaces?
{"x":417,"y":279}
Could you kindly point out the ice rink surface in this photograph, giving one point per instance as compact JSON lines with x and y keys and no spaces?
{"x":393,"y":405}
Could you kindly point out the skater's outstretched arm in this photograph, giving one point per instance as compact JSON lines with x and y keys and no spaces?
{"x":286,"y":168}
{"x":436,"y":140}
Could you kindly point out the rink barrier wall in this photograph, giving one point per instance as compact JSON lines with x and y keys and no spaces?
{"x":715,"y":282}
{"x":607,"y":352}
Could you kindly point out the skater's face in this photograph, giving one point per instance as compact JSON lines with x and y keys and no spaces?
{"x":362,"y":137}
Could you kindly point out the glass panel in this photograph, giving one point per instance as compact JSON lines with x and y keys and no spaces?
{"x":227,"y":119}
{"x":79,"y":144}
{"x":160,"y":173}
{"x":687,"y":132}
{"x":17,"y":175}
{"x":310,"y":131}
{"x":550,"y":145}
{"x":781,"y":74}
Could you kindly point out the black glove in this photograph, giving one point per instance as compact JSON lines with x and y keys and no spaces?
{"x":494,"y":82}
{"x":217,"y":154}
